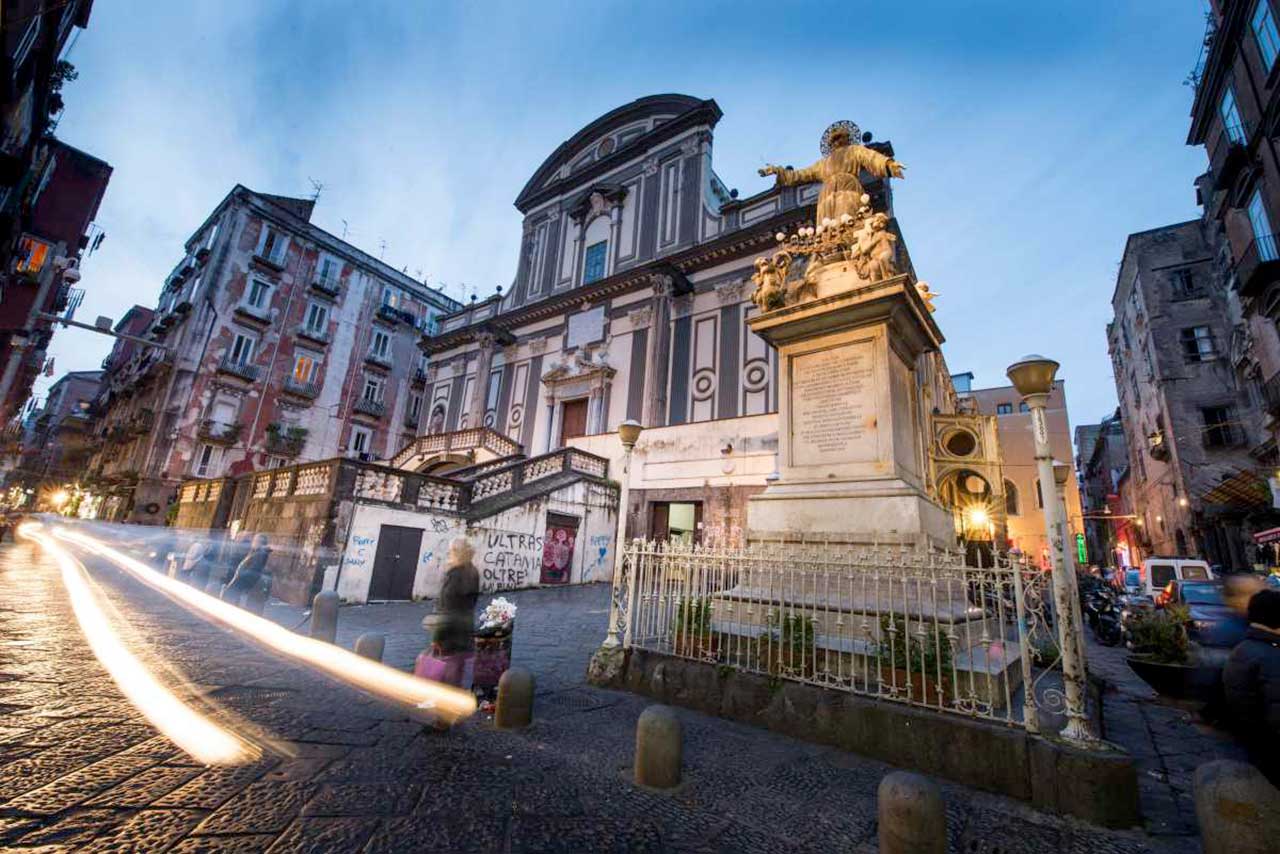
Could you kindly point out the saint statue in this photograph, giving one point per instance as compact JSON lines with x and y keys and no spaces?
{"x":843,"y":158}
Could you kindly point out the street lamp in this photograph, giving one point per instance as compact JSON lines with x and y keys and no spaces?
{"x":1033,"y":377}
{"x":629,"y":433}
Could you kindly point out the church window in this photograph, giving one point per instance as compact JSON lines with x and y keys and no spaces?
{"x":593,"y":263}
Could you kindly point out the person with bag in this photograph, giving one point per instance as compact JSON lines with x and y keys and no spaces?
{"x":249,"y":573}
{"x":453,"y":625}
{"x":1251,"y":682}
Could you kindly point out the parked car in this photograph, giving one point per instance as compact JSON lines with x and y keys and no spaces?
{"x":1127,"y":581}
{"x":1157,"y":572}
{"x":1211,"y":621}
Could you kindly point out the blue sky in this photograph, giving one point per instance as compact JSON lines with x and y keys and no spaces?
{"x":1036,"y":136}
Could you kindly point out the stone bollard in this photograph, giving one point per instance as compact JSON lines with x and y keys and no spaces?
{"x":1238,"y":810}
{"x":514,"y":708}
{"x":659,"y":748}
{"x":370,"y":645}
{"x":324,"y":616}
{"x":912,"y":818}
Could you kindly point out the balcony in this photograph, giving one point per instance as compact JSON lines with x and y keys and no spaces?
{"x":298,"y":388}
{"x":419,"y":377}
{"x":219,"y":433}
{"x":372,"y":408}
{"x":143,"y":422}
{"x":327,"y":288}
{"x":381,"y":360}
{"x":411,"y":421}
{"x":254,"y":313}
{"x":287,"y":442}
{"x":235,"y":368}
{"x":1259,"y":266}
{"x":320,"y":336}
{"x":1229,"y":154}
{"x":392,"y":314}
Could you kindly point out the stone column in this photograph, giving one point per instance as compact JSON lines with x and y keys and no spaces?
{"x":659,"y":352}
{"x":480,"y":398}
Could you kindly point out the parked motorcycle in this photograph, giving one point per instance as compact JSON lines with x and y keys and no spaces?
{"x":1102,"y":613}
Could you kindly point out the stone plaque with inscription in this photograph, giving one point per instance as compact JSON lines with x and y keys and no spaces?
{"x":833,"y":406}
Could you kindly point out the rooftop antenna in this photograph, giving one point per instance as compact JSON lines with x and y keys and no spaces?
{"x":344,"y":229}
{"x":317,"y":188}
{"x":382,"y":248}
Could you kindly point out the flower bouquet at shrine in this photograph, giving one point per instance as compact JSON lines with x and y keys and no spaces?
{"x":493,"y":647}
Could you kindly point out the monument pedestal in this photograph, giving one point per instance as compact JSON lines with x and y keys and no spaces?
{"x":851,"y":434}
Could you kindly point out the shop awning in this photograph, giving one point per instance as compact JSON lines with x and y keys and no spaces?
{"x":1271,"y":535}
{"x":1241,"y":490}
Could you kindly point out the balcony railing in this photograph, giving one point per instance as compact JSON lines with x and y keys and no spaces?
{"x":411,"y":420}
{"x":261,"y":315}
{"x":396,"y":315}
{"x":295,"y":386}
{"x":1259,"y":265}
{"x":320,"y":336}
{"x":419,"y":376}
{"x":374,"y":408}
{"x":328,"y":288}
{"x":381,"y":359}
{"x":236,"y":368}
{"x":1229,"y":154}
{"x":219,"y":433}
{"x":286,"y":443}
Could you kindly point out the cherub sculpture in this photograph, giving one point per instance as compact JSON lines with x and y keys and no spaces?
{"x":770,"y":278}
{"x":881,"y":248}
{"x":922,"y":288}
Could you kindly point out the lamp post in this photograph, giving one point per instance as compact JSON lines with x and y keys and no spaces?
{"x":628,"y":432}
{"x":1033,"y":377}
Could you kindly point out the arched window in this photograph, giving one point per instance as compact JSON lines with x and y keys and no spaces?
{"x":1010,"y":498}
{"x":595,"y":254}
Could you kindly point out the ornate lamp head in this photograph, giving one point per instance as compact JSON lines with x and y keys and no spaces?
{"x":839,"y":134}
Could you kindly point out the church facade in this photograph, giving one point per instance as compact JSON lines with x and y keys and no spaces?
{"x":630,"y":301}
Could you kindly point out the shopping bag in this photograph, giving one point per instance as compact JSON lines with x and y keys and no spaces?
{"x":455,"y":669}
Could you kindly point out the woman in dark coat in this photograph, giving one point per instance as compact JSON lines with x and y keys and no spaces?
{"x":456,"y":607}
{"x":1251,"y":682}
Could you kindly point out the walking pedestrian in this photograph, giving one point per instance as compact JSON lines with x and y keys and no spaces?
{"x":1251,"y":681}
{"x":456,"y":608}
{"x":248,"y":575}
{"x":197,"y":564}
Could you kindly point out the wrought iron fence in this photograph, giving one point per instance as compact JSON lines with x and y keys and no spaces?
{"x":891,"y":622}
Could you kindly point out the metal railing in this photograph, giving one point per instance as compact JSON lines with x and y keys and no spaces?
{"x":1271,"y":394}
{"x":376,"y":408}
{"x":891,"y":622}
{"x":292,"y":385}
{"x":1257,"y":266}
{"x":1229,"y":153}
{"x":244,"y":370}
{"x":320,"y":336}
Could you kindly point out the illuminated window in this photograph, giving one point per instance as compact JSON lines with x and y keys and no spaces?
{"x":304,"y":368}
{"x":32,"y":254}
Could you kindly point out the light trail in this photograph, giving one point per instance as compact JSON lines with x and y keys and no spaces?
{"x":195,"y":733}
{"x":388,"y":683}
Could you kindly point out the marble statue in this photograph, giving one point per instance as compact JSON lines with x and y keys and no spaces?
{"x":843,"y":158}
{"x":922,"y":288}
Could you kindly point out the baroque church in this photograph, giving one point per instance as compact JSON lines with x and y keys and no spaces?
{"x":630,"y":301}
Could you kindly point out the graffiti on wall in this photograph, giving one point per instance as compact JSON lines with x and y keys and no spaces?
{"x":506,"y":560}
{"x":598,"y":557}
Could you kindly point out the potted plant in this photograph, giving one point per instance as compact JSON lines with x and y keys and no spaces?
{"x":1161,"y":655}
{"x":910,"y":660}
{"x":691,"y":634}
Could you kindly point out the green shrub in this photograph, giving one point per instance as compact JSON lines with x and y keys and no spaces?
{"x":929,"y":654}
{"x":1161,"y":635}
{"x":693,"y":617}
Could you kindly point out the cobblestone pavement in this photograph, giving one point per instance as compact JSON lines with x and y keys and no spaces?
{"x":1167,"y":739}
{"x":81,"y":771}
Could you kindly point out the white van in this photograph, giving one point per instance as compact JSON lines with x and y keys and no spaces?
{"x":1157,"y":572}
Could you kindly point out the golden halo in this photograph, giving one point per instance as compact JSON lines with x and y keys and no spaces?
{"x":855,"y":134}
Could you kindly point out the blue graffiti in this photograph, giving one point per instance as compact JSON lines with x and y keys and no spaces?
{"x":601,"y":543}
